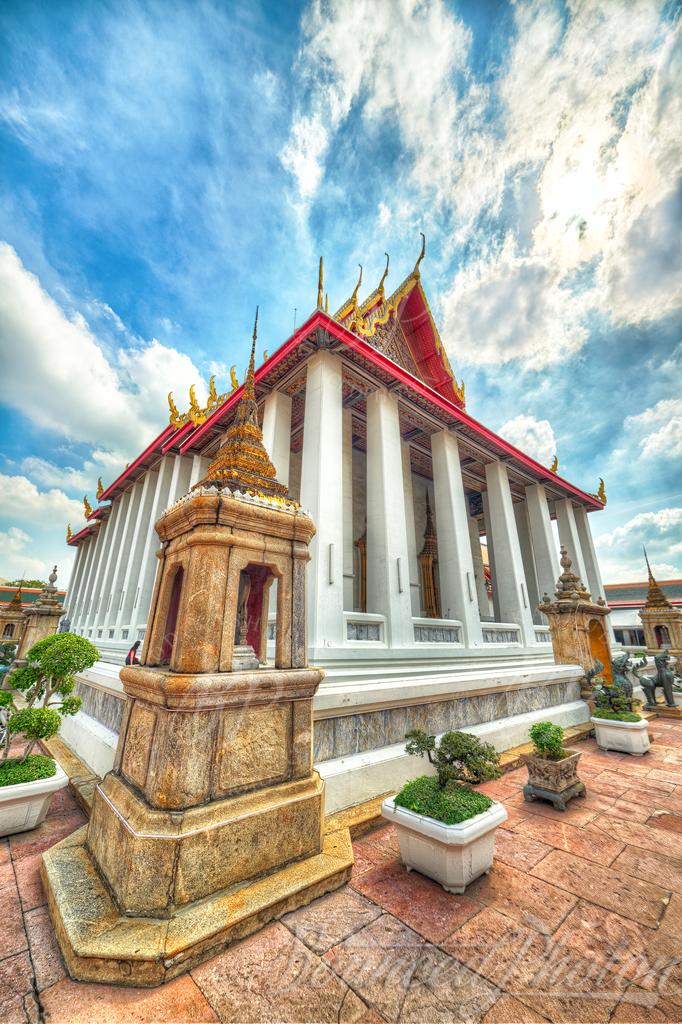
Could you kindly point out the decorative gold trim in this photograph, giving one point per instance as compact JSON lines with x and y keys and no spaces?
{"x":87,"y":506}
{"x":555,"y":464}
{"x":69,"y":532}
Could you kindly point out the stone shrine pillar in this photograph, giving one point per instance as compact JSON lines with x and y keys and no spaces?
{"x":577,"y":625}
{"x":212,"y":821}
{"x":41,"y":618}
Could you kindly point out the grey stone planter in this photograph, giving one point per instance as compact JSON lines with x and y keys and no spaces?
{"x":556,"y":781}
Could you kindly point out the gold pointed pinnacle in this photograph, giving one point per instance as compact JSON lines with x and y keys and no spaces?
{"x":320,"y":284}
{"x":233,"y":377}
{"x":87,"y":506}
{"x":100,"y":488}
{"x":555,"y":464}
{"x":69,"y":533}
{"x":601,"y":493}
{"x":385,"y":274}
{"x":421,"y":254}
{"x":354,"y":296}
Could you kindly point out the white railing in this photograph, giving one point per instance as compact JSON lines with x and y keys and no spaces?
{"x":501,"y":633}
{"x":437,"y":631}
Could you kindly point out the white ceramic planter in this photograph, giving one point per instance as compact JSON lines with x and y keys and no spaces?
{"x":630,"y":737}
{"x":453,"y":855}
{"x":25,"y":805}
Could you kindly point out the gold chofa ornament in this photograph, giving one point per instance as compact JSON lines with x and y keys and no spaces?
{"x":601,"y":493}
{"x":242,"y":462}
{"x":555,"y":464}
{"x":69,"y":533}
{"x":87,"y":506}
{"x":233,"y":377}
{"x":100,"y":488}
{"x":175,"y":418}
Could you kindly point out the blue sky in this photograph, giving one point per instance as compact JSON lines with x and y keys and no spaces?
{"x":164,"y":167}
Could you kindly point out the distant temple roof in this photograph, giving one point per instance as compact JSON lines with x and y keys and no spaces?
{"x":630,"y":595}
{"x":28,"y":595}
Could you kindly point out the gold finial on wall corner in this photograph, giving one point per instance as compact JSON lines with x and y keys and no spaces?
{"x":320,"y":284}
{"x":421,"y":255}
{"x":100,"y":488}
{"x":195,"y":412}
{"x":87,"y":506}
{"x":69,"y":532}
{"x":555,"y":464}
{"x":601,"y":493}
{"x":212,"y":393}
{"x":233,"y":377}
{"x":174,"y":420}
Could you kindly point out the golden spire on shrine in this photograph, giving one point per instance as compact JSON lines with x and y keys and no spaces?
{"x":415,"y":272}
{"x":555,"y":464}
{"x":242,"y":463}
{"x":100,"y":488}
{"x":655,"y":597}
{"x":87,"y":506}
{"x":320,"y":284}
{"x":16,"y":600}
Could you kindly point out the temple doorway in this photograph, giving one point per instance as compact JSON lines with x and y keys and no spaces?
{"x":662,"y":636}
{"x":599,"y":647}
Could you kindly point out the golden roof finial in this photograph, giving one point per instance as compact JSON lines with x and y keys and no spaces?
{"x":174,"y":420}
{"x":87,"y":506}
{"x":384,"y":275}
{"x":69,"y":532}
{"x":555,"y":464}
{"x":421,"y":255}
{"x":326,"y":302}
{"x":242,"y":461}
{"x":212,"y":393}
{"x":320,"y":284}
{"x":100,"y":488}
{"x":354,"y":296}
{"x":265,"y":355}
{"x":601,"y":493}
{"x":233,"y":377}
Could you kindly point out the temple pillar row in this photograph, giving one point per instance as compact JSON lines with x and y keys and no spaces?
{"x":568,"y":536}
{"x":455,"y":559}
{"x":277,"y":432}
{"x":594,"y":581}
{"x":479,"y":569}
{"x":415,"y":588}
{"x":542,"y":540}
{"x":75,"y":582}
{"x":388,"y":559}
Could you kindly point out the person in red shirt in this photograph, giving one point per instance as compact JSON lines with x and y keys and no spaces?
{"x":131,"y":656}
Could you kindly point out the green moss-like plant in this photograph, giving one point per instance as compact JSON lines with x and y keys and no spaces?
{"x":617,"y":716}
{"x":35,"y":697}
{"x":13,"y":771}
{"x":459,"y":757}
{"x":548,"y":741}
{"x":450,"y":806}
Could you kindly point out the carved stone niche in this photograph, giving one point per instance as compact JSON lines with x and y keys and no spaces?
{"x":212,"y":820}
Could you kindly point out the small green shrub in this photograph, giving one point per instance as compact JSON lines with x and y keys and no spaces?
{"x":617,"y":716}
{"x":37,"y":766}
{"x":548,"y":740}
{"x":450,"y":806}
{"x":611,"y":697}
{"x":459,"y":757}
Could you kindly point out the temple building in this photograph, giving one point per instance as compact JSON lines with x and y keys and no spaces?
{"x":367,"y":427}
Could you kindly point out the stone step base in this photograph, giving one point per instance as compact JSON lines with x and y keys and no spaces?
{"x":663,"y":711}
{"x":101,"y":945}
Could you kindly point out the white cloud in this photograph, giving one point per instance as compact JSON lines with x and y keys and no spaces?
{"x":56,"y":372}
{"x":512,"y":307}
{"x":534,"y":437}
{"x":658,"y":431}
{"x":19,"y":497}
{"x":16,"y":558}
{"x":620,"y":552}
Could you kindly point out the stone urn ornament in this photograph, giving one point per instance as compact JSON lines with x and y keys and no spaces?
{"x":552,"y":770}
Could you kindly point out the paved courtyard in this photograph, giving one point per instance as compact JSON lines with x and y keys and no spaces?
{"x":580,"y":919}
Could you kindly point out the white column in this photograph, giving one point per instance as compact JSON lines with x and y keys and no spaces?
{"x":149,"y":561}
{"x":107,"y":613}
{"x":509,"y":575}
{"x":479,"y":570}
{"x":81,"y":609}
{"x":90,"y":595}
{"x":388,"y":561}
{"x":277,"y":432}
{"x":497,"y":614}
{"x":546,"y":556}
{"x":147,"y":487}
{"x":322,"y":496}
{"x":593,"y":572}
{"x":74,"y":583}
{"x":455,"y":562}
{"x":415,"y":582}
{"x":347,"y":483}
{"x":568,"y":535}
{"x":132,"y":499}
{"x":199,"y":469}
{"x":113,"y":526}
{"x":527,"y":557}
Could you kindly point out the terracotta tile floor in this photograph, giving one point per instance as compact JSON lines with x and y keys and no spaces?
{"x":580,"y":919}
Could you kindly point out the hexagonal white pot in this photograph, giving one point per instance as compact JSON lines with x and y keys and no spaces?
{"x":25,"y":805}
{"x":629,"y":737}
{"x":453,"y":855}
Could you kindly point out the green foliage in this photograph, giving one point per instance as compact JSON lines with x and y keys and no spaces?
{"x":617,"y":716}
{"x":452,"y":805}
{"x":26,"y":583}
{"x":459,"y":757}
{"x":7,"y":652}
{"x":37,"y":766}
{"x":611,"y":698}
{"x":35,"y":723}
{"x":548,"y":740}
{"x":35,"y":697}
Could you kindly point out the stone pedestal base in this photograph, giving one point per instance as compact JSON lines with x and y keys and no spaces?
{"x":558,"y":799}
{"x":664,"y":711}
{"x":100,"y":944}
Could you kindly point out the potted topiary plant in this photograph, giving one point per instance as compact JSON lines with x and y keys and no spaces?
{"x":552,"y":770}
{"x":33,"y":700}
{"x":617,"y":725}
{"x":446,"y":829}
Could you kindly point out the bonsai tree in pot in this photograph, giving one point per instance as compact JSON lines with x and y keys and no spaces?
{"x":617,"y":724}
{"x":33,"y":700}
{"x":552,"y":770}
{"x":445,"y":828}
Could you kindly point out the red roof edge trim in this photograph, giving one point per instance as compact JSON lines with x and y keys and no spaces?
{"x":176,"y":437}
{"x":108,"y":493}
{"x":75,"y":538}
